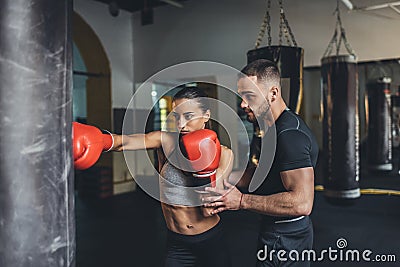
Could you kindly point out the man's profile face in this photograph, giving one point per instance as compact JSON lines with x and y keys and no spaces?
{"x":254,"y":101}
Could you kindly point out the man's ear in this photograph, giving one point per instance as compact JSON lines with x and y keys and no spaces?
{"x":274,"y":93}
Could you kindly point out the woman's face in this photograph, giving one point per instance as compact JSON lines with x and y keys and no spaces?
{"x":188,"y":115}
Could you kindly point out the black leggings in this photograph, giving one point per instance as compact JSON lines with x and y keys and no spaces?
{"x":207,"y":249}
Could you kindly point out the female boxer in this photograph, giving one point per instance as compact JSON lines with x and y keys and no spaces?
{"x":195,"y":237}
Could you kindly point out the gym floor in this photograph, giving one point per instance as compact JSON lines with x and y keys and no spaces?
{"x":129,"y":230}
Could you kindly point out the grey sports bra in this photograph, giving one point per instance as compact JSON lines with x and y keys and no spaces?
{"x":178,"y":187}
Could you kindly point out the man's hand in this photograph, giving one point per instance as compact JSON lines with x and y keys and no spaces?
{"x":226,"y":199}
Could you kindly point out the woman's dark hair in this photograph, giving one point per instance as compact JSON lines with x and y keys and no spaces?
{"x":194,"y":93}
{"x":198,"y":95}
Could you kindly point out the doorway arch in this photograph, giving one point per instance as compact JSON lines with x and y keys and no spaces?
{"x":98,"y":83}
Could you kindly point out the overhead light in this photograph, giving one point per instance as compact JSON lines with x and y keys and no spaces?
{"x":392,"y":5}
{"x":348,"y":4}
{"x":191,"y":85}
{"x":384,"y":5}
{"x":172,"y":3}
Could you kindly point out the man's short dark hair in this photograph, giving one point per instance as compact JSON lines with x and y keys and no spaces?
{"x":264,"y":69}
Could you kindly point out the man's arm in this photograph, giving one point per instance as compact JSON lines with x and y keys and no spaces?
{"x":297,"y":201}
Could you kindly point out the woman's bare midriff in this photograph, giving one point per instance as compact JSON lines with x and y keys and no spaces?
{"x":187,"y":220}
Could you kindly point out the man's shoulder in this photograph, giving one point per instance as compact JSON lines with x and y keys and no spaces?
{"x":291,"y":127}
{"x":288,"y":121}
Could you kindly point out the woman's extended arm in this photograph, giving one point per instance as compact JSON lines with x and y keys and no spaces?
{"x":137,"y":141}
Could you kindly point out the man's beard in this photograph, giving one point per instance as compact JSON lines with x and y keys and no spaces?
{"x":263,"y":112}
{"x":250,"y":115}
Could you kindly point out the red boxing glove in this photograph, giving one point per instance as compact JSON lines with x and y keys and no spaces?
{"x":203,"y":150}
{"x":88,"y":143}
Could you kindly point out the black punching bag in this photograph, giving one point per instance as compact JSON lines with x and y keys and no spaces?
{"x":340,"y":127}
{"x":37,"y":225}
{"x":289,"y":60}
{"x":395,"y":116}
{"x":379,"y":146}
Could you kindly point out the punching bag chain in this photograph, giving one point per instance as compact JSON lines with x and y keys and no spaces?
{"x":339,"y":31}
{"x":283,"y":27}
{"x":266,"y":24}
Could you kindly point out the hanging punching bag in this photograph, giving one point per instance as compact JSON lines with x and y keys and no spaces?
{"x":37,"y":221}
{"x":340,"y":120}
{"x":395,"y":116}
{"x":289,"y":60}
{"x":379,"y":146}
{"x":340,"y":127}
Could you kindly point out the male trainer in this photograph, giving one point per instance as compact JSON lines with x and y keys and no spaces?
{"x":285,"y":198}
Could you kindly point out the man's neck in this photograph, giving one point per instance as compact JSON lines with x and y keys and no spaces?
{"x":276,"y":111}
